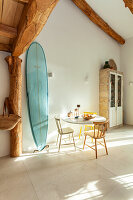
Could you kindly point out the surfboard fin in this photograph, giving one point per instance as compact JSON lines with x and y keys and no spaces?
{"x":45,"y":148}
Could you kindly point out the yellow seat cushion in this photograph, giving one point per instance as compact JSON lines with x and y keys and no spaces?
{"x":89,"y":125}
{"x":67,"y":130}
{"x":91,"y":134}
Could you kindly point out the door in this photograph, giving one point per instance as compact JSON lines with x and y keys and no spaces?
{"x":113,"y":99}
{"x":119,"y":99}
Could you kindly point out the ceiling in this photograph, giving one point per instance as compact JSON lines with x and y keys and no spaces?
{"x":21,"y":21}
{"x":115,"y":14}
{"x":112,"y":11}
{"x":10,"y":13}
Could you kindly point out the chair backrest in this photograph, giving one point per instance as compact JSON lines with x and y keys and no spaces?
{"x":90,"y":113}
{"x":58,"y":123}
{"x":101,"y":127}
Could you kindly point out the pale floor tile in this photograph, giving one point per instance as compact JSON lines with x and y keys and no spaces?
{"x":70,"y":174}
{"x":19,"y":193}
{"x":14,"y":181}
{"x":120,"y":192}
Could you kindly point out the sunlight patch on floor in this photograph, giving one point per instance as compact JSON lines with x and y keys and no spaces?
{"x":70,"y":149}
{"x":25,"y":156}
{"x":120,"y":143}
{"x":90,"y":191}
{"x":125,"y":180}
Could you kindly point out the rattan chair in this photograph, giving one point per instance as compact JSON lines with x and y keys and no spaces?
{"x":63,"y":131}
{"x":97,"y":134}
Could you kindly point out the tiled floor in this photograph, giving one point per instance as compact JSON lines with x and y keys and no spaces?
{"x":70,"y":174}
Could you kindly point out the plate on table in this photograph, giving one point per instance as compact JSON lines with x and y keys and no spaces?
{"x":88,"y":117}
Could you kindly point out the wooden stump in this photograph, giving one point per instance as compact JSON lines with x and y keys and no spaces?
{"x":14,"y":66}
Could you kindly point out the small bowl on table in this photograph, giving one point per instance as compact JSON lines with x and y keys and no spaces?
{"x":88,"y":117}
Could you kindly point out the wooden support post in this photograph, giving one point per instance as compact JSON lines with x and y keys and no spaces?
{"x":14,"y":66}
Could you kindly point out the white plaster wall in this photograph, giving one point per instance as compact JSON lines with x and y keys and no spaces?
{"x":4,"y":92}
{"x":74,"y":48}
{"x":127,"y":68}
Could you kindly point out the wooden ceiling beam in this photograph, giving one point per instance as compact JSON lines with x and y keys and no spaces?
{"x":8,"y":31}
{"x":129,"y":4}
{"x":22,"y":1}
{"x":5,"y":47}
{"x":96,"y":19}
{"x":33,"y":19}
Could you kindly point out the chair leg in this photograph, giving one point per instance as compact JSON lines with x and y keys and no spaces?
{"x":84,"y":142}
{"x":92,"y":128}
{"x":85,"y":128}
{"x":105,"y":146}
{"x":80,"y":132}
{"x":57,"y":139}
{"x":73,"y":141}
{"x":59,"y":143}
{"x":96,"y":147}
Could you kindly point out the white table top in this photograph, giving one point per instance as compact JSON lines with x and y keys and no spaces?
{"x":82,"y":121}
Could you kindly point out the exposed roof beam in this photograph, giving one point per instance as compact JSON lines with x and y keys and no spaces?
{"x":8,"y":31}
{"x":129,"y":4}
{"x":96,"y":19}
{"x":5,"y":47}
{"x":33,"y":19}
{"x":22,"y":1}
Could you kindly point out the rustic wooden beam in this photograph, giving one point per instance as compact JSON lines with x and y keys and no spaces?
{"x":8,"y":31}
{"x":14,"y":66}
{"x":5,"y":47}
{"x":96,"y":19}
{"x":22,"y":1}
{"x":33,"y":19}
{"x":129,"y":4}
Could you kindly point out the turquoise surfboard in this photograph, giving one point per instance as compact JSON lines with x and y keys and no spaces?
{"x":37,"y":93}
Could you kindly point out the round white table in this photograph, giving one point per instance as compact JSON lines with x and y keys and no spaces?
{"x":83,"y":122}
